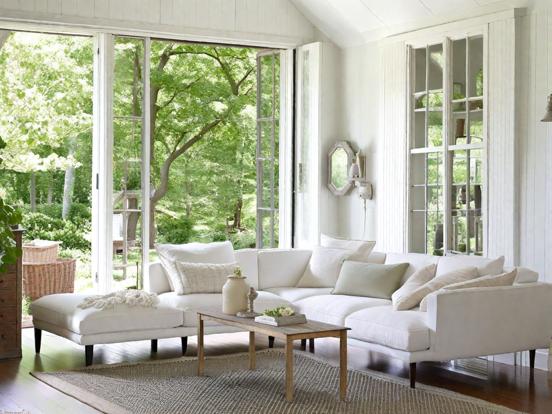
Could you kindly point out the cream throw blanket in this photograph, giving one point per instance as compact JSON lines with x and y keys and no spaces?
{"x":130,"y":297}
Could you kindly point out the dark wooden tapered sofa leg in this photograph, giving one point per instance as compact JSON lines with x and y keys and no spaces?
{"x":532,"y":358}
{"x":311,"y":345}
{"x":271,"y":342}
{"x":303,"y":344}
{"x":89,"y":354}
{"x":38,"y":339}
{"x":184,"y":341}
{"x":154,"y":345}
{"x":412,"y":375}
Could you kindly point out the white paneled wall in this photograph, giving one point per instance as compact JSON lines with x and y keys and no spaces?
{"x":502,"y":189}
{"x":392,"y":148}
{"x":263,"y":21}
{"x":536,"y":147}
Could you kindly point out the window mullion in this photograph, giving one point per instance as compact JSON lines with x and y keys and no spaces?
{"x":447,"y":130}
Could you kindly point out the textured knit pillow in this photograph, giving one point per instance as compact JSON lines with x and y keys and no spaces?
{"x":204,"y":277}
{"x":360,"y":249}
{"x":418,"y":279}
{"x":169,"y":254}
{"x":323,"y":268}
{"x":369,"y":279}
{"x":437,"y":283}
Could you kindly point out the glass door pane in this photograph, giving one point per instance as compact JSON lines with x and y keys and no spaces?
{"x":268,"y":105}
{"x":128,"y":98}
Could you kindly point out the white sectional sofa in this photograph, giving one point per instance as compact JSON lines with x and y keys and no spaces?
{"x":458,"y":323}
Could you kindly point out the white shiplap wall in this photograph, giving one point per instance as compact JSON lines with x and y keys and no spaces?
{"x":270,"y":22}
{"x":502,"y":171}
{"x":536,"y":147}
{"x":392,"y":149}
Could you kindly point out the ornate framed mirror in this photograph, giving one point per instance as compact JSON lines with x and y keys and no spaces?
{"x":340,"y":158}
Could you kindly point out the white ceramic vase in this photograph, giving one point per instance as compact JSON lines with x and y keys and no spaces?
{"x":234,"y":295}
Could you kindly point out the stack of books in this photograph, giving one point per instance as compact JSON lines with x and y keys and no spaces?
{"x":281,"y":320}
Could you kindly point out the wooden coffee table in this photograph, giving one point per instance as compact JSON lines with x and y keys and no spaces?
{"x":288,"y":334}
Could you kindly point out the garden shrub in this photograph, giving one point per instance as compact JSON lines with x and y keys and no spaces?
{"x":41,"y":226}
{"x":174,"y":230}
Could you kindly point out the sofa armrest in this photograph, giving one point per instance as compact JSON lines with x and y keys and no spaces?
{"x":490,"y":321}
{"x":156,"y":280}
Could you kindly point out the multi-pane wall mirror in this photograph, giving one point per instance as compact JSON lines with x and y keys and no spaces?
{"x":447,"y":143}
{"x":340,"y":158}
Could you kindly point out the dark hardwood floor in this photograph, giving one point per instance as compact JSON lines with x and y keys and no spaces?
{"x":19,"y":391}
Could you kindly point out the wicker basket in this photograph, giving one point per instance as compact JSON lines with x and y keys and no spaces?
{"x":40,"y":251}
{"x":41,"y":279}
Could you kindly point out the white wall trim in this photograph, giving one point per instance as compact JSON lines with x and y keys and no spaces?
{"x":42,"y":22}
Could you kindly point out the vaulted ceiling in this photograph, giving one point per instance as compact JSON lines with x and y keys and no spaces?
{"x":352,"y":22}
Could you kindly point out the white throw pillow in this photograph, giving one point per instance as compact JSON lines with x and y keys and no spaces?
{"x":525,"y":275}
{"x":503,"y":279}
{"x":323,"y":268}
{"x":360,"y":249}
{"x":216,"y":253}
{"x":204,"y":277}
{"x":418,"y":279}
{"x":484,"y":265}
{"x":416,"y":297}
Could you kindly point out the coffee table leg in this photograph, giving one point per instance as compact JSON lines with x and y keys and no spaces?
{"x":343,"y":365}
{"x":200,"y":350}
{"x":251,"y":350}
{"x":289,"y":370}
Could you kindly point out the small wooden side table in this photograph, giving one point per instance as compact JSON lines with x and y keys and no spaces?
{"x":288,"y":334}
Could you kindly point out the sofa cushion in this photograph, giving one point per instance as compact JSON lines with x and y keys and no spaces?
{"x":216,"y":252}
{"x":416,"y":261}
{"x":382,"y":325}
{"x":324,"y":267}
{"x":376,"y":257}
{"x":369,"y":279}
{"x":360,"y":249}
{"x":281,"y":267}
{"x":249,"y":265}
{"x":293,"y":294}
{"x":335,"y":308}
{"x":484,"y":265}
{"x":190,"y":304}
{"x":62,"y":310}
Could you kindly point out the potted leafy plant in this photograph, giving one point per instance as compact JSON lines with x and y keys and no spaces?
{"x":10,"y":217}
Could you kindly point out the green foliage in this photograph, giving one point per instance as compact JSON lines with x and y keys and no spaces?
{"x":174,"y":230}
{"x":279,"y":311}
{"x":41,"y":226}
{"x":9,"y":217}
{"x":9,"y":252}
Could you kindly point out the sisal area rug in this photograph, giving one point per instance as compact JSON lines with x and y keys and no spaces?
{"x":171,"y":386}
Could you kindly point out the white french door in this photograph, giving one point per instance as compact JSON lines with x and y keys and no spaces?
{"x":121,"y":185}
{"x":307,"y":147}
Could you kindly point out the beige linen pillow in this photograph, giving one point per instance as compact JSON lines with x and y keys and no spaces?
{"x":437,"y":283}
{"x":323,"y":268}
{"x":504,"y":279}
{"x":418,"y":279}
{"x":360,"y":249}
{"x":204,"y":277}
